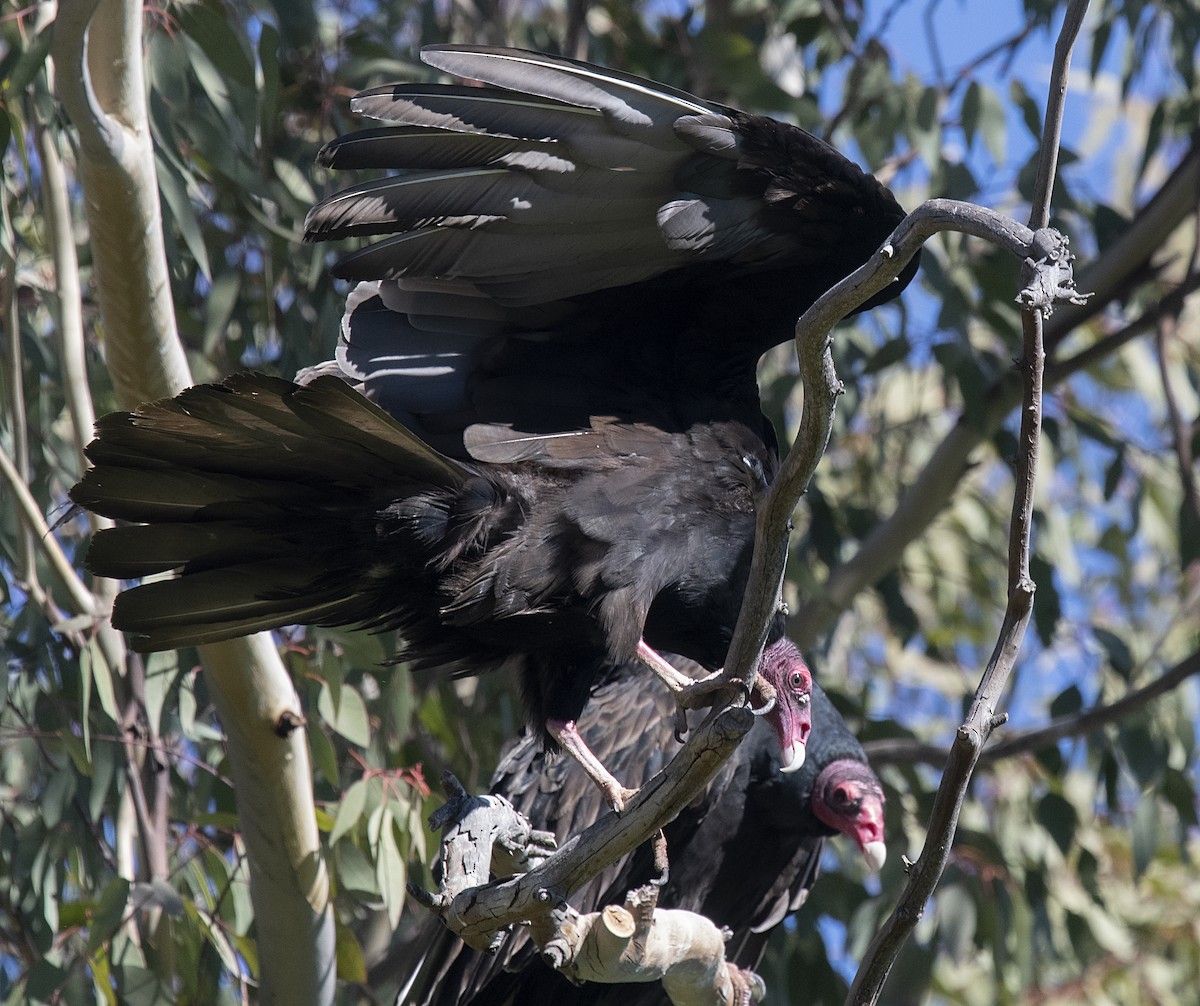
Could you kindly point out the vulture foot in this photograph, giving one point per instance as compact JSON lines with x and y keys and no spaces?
{"x":689,"y":692}
{"x":714,"y":688}
{"x":748,"y":988}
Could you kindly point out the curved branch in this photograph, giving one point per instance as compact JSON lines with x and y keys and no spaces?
{"x":821,"y":389}
{"x":639,"y":942}
{"x":475,"y":912}
{"x":928,"y":494}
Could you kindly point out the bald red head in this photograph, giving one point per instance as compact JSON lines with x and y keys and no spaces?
{"x":847,"y":796}
{"x":791,"y":718}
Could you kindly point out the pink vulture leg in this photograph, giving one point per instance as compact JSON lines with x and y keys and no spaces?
{"x":689,"y":692}
{"x":672,"y":677}
{"x":567,"y":735}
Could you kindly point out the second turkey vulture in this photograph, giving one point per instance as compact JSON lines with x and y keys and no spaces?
{"x":745,"y":853}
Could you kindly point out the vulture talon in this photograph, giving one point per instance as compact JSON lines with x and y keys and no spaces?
{"x":748,"y":987}
{"x":681,"y":723}
{"x":764,"y":709}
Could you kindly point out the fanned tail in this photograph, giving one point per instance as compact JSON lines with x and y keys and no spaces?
{"x":271,"y":500}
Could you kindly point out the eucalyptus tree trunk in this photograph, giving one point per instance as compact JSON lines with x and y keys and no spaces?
{"x":98,"y":57}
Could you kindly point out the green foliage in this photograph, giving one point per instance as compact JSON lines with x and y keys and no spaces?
{"x":1071,"y":879}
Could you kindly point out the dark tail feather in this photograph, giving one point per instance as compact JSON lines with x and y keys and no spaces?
{"x":267,"y":497}
{"x":223,"y":603}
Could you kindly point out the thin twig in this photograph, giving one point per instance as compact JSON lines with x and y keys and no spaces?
{"x":168,"y":751}
{"x":981,"y":718}
{"x":1005,"y":45}
{"x":836,"y":20}
{"x":931,"y":39}
{"x":27,"y":507}
{"x":146,"y":771}
{"x":903,"y":751}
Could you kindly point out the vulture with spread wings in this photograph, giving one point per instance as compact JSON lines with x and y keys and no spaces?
{"x":577,"y":274}
{"x":745,"y":853}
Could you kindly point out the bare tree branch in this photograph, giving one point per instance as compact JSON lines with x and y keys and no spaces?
{"x":931,"y":40}
{"x":903,"y":751}
{"x":486,"y":836}
{"x":982,"y":719}
{"x":821,"y":389}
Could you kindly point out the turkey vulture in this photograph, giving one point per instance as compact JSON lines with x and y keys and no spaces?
{"x":745,"y":853}
{"x":284,"y":504}
{"x":572,"y":247}
{"x":577,"y":274}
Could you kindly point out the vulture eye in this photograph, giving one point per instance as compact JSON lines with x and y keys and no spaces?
{"x":797,"y":680}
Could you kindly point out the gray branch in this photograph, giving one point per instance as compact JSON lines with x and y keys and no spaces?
{"x":982,"y":719}
{"x":477,"y":827}
{"x":475,"y":910}
{"x":905,"y":751}
{"x":1049,"y":281}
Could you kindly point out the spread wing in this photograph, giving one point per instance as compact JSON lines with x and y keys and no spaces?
{"x":573,"y":242}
